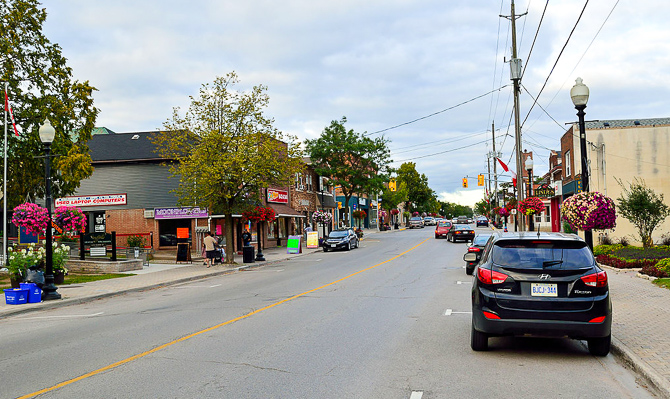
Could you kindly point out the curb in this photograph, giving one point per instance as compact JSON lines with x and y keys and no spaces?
{"x":620,"y":350}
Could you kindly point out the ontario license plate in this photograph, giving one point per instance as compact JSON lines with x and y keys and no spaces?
{"x":333,"y":245}
{"x":540,"y":289}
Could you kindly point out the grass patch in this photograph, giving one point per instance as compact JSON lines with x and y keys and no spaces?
{"x":663,"y":282}
{"x":69,"y":279}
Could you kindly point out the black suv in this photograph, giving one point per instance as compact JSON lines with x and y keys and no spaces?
{"x":544,"y":284}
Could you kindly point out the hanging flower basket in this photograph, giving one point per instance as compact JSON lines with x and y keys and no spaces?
{"x":322,"y":217}
{"x":358,"y":214}
{"x":415,"y":214}
{"x":259,"y":214}
{"x":531,"y":206}
{"x":69,"y":218}
{"x":32,"y":217}
{"x":504,"y":212}
{"x":382,"y":214}
{"x":588,"y":211}
{"x":395,"y":211}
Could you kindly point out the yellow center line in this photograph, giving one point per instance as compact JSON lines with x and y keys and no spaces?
{"x":195,"y":334}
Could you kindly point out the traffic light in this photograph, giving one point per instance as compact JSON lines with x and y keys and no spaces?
{"x":465,"y":182}
{"x":392,"y":185}
{"x":480,"y":180}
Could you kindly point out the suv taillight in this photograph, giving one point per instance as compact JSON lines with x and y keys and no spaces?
{"x":474,"y":249}
{"x":488,"y":276}
{"x":596,"y":279}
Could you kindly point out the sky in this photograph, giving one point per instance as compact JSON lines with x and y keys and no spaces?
{"x":430,"y":74}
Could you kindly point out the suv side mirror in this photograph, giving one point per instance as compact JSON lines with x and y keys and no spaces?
{"x":470,"y":257}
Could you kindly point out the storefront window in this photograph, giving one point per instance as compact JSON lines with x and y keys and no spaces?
{"x":282,"y":227}
{"x":271,"y":228}
{"x":167,"y":230}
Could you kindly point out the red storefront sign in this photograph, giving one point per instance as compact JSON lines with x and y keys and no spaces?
{"x":93,"y":200}
{"x":277,"y":196}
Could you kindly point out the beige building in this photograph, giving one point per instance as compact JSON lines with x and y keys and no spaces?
{"x":620,"y":150}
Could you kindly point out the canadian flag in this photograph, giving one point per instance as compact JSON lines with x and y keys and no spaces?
{"x":506,"y":169}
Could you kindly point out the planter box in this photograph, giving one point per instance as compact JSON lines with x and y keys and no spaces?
{"x":16,"y":296}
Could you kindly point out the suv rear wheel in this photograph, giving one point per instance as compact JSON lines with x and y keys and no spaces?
{"x":600,"y":346}
{"x":479,"y":341}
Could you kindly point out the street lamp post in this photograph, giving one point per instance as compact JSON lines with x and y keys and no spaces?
{"x":259,"y":240}
{"x":47,"y":134}
{"x":529,"y":168}
{"x":580,"y":96}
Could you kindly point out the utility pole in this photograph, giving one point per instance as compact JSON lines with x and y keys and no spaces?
{"x":495,"y":169}
{"x":515,"y":75}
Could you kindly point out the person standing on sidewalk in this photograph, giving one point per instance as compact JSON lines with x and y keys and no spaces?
{"x":210,"y":248}
{"x":246,"y":237}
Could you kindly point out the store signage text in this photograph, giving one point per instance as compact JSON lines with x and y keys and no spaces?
{"x":277,"y":196}
{"x":180,"y":213}
{"x":93,"y":200}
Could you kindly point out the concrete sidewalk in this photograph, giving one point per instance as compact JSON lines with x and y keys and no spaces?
{"x":640,"y":330}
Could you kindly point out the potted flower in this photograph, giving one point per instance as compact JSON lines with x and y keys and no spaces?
{"x":588,"y":211}
{"x":20,"y":259}
{"x":59,"y":256}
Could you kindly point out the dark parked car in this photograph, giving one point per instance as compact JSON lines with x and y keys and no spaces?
{"x":482,"y":222}
{"x":463,"y":232}
{"x":341,"y":239}
{"x":544,"y":284}
{"x":477,"y":247}
{"x":442,"y":228}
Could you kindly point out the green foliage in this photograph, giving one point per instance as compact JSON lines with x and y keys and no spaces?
{"x":630,"y":252}
{"x":643,"y":208}
{"x":41,"y":86}
{"x":391,"y":199}
{"x":420,"y":196}
{"x":226,"y":150}
{"x":567,"y":229}
{"x":664,"y":265}
{"x":135,"y":241}
{"x":605,"y":249}
{"x":353,"y":161}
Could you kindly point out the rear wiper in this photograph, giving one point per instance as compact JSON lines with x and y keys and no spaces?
{"x":548,"y":263}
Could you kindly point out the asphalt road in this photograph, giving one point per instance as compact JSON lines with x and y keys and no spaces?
{"x":388,"y":320}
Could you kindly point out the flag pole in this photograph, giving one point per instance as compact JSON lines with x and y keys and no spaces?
{"x":4,"y":189}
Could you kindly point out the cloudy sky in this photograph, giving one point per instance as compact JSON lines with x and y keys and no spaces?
{"x":437,"y":64}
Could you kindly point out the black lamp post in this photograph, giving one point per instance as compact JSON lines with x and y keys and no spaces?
{"x":259,"y":254}
{"x":580,"y":96}
{"x":529,"y":168}
{"x":47,"y":134}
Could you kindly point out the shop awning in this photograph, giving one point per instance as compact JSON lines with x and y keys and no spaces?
{"x":285,"y":211}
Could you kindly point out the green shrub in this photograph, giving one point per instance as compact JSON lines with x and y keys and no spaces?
{"x":641,"y":253}
{"x":606,"y":249}
{"x":568,"y":229}
{"x":135,"y":241}
{"x":664,"y":265}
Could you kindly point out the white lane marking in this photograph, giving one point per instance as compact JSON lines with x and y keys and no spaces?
{"x":62,"y":317}
{"x":449,"y":312}
{"x":459,"y":282}
{"x":215,"y":285}
{"x":416,"y":395}
{"x":198,"y":286}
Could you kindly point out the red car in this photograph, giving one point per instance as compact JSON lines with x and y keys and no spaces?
{"x":442,"y":228}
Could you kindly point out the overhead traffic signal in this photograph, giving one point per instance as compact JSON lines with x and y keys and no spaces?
{"x":392,"y":185}
{"x":480,"y":180}
{"x":465,"y":182}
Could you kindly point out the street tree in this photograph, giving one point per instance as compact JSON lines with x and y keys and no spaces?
{"x":351,"y":160}
{"x":419,"y":193}
{"x":225,"y":151}
{"x":40,"y":85}
{"x":643,"y":208}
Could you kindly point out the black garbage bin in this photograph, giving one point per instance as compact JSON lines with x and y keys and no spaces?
{"x":248,"y":254}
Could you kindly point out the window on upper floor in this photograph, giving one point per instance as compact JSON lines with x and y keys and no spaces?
{"x":567,"y":166}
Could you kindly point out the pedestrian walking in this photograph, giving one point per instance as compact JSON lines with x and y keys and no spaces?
{"x":210,"y":248}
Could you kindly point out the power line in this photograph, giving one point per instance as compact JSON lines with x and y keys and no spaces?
{"x":435,"y":113}
{"x":542,"y":108}
{"x":444,"y":141}
{"x":443,"y":152}
{"x":556,"y":62}
{"x":535,"y":38}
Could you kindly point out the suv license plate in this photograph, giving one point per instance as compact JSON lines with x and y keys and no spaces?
{"x":539,"y":289}
{"x":333,"y":245}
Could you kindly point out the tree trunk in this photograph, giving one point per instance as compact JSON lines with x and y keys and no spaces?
{"x":230,"y":244}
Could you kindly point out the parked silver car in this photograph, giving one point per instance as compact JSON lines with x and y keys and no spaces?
{"x":416,"y":222}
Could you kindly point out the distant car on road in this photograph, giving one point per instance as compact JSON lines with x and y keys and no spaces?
{"x":482,"y":221}
{"x":477,"y":247}
{"x":462,"y":220}
{"x":415,"y":222}
{"x":429,"y":221}
{"x":545,"y":284}
{"x":442,"y":228}
{"x":463,"y":232}
{"x":341,"y":239}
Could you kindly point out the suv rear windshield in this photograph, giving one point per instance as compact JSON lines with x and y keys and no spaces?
{"x":540,"y":254}
{"x":416,"y":219}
